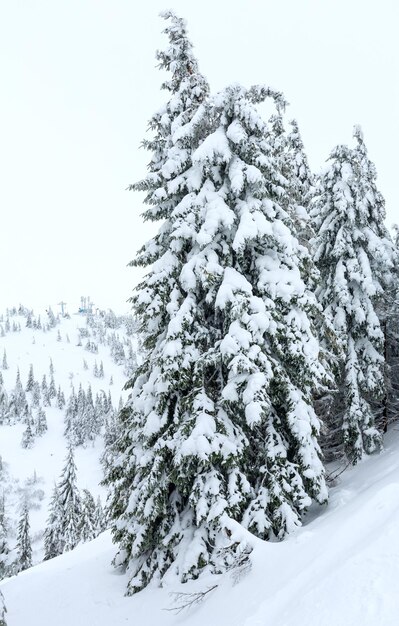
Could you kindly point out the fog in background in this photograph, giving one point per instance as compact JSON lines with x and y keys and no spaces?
{"x":79,"y":83}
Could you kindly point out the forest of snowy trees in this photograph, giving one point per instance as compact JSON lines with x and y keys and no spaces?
{"x":261,"y":355}
{"x":31,"y":405}
{"x":268,"y":324}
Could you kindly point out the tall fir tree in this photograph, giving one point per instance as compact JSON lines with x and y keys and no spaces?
{"x":53,"y":534}
{"x":390,"y":325}
{"x":219,"y":424}
{"x":70,"y":503}
{"x":354,"y":254}
{"x":24,"y":548}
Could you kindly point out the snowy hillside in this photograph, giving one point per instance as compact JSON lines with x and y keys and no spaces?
{"x":89,"y":350}
{"x":340,"y":569}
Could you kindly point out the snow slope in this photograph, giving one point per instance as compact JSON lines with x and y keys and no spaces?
{"x":340,"y":569}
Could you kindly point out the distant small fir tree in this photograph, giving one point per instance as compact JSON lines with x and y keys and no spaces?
{"x":28,"y":439}
{"x":41,"y":422}
{"x":52,"y":392}
{"x":4,"y":548}
{"x":31,"y":380}
{"x":88,"y":530}
{"x":60,"y":398}
{"x":100,"y":519}
{"x":3,"y":610}
{"x":36,"y":394}
{"x":44,"y":385}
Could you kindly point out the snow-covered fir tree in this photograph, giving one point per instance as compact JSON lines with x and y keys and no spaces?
{"x":100,"y":518}
{"x":53,"y":535}
{"x":219,"y":424}
{"x":60,"y":398}
{"x":31,"y":379}
{"x":3,"y":610}
{"x":18,"y":403}
{"x":111,"y":434}
{"x":28,"y":439}
{"x":88,"y":530}
{"x":4,"y":405}
{"x":4,"y":547}
{"x":354,"y":254}
{"x":390,"y":326}
{"x":52,"y":320}
{"x":63,"y":530}
{"x":70,"y":415}
{"x":24,"y":548}
{"x":70,"y":504}
{"x":301,"y":183}
{"x":52,"y":392}
{"x":36,"y":394}
{"x":40,"y":422}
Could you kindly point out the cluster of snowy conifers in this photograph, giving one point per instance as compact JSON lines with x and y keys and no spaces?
{"x":73,"y":518}
{"x":84,"y":416}
{"x":267,"y":309}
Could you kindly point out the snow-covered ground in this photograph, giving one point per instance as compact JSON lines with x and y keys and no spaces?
{"x":339,"y":569}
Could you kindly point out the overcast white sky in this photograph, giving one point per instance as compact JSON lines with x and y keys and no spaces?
{"x":78,"y":83}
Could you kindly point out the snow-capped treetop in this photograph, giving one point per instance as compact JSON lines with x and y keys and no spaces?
{"x":179,"y":58}
{"x":171,"y":151}
{"x":302,"y":184}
